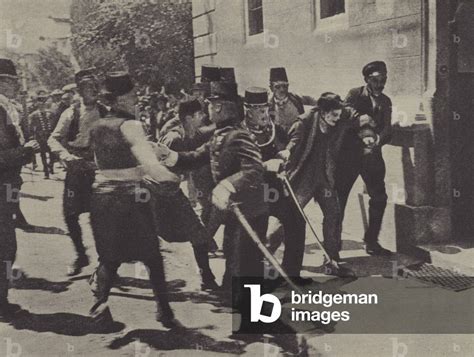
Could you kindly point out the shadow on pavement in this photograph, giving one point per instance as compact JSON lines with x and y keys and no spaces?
{"x":21,"y":281}
{"x":177,"y":339}
{"x":35,"y":197}
{"x":349,"y":244}
{"x":63,"y":323}
{"x":44,"y":230}
{"x":123,"y":284}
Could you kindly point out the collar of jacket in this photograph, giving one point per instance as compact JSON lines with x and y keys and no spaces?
{"x":293,"y":98}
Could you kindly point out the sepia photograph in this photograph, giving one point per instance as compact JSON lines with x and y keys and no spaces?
{"x":237,"y":178}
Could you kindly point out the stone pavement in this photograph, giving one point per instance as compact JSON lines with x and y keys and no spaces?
{"x":57,"y":322}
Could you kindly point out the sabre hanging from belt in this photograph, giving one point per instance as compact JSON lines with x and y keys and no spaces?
{"x":301,"y":210}
{"x":248,"y":228}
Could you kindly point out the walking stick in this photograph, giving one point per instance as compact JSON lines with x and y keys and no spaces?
{"x":248,"y":228}
{"x":301,"y":210}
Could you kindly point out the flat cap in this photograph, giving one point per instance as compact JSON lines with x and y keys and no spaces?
{"x":69,"y":87}
{"x":374,"y":68}
{"x":85,"y":75}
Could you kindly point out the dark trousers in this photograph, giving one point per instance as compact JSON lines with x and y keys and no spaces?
{"x":8,"y":244}
{"x":286,"y":211}
{"x":76,"y":200}
{"x":107,"y":272}
{"x":48,"y":165}
{"x":372,"y":169}
{"x":243,"y":257}
{"x":328,"y":201}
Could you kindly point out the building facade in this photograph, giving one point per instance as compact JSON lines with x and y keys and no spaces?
{"x":324,"y":44}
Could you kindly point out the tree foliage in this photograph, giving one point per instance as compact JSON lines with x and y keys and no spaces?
{"x":53,"y":68}
{"x":151,"y":39}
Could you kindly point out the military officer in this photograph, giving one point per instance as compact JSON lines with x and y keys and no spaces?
{"x":272,"y":141}
{"x":237,"y":171}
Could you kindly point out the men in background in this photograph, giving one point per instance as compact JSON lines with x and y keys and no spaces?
{"x":41,"y":126}
{"x":352,"y":161}
{"x":71,"y":89}
{"x":64,"y":103}
{"x":158,"y":104}
{"x":55,"y":96}
{"x":272,"y":141}
{"x":13,"y":154}
{"x":122,"y":225}
{"x":71,"y":141}
{"x":285,"y":106}
{"x":315,"y":140}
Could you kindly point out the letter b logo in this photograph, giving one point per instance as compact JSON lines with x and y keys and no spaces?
{"x":256,"y":303}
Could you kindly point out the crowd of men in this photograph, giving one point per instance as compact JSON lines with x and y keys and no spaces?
{"x":126,"y":153}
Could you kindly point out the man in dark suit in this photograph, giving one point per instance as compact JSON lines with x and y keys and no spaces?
{"x":315,"y":141}
{"x":13,"y":154}
{"x":365,"y":157}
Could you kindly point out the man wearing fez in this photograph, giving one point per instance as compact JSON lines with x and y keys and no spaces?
{"x":41,"y":125}
{"x":13,"y":154}
{"x":285,"y":106}
{"x":122,"y":224}
{"x":71,"y":141}
{"x":272,"y":141}
{"x":237,"y":172}
{"x":365,"y":158}
{"x":315,"y":142}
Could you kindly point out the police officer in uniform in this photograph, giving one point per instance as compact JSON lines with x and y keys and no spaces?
{"x":272,"y":141}
{"x":237,"y":171}
{"x":356,"y":158}
{"x":71,"y":141}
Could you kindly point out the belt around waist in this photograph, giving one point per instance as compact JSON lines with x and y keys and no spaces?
{"x":129,"y":174}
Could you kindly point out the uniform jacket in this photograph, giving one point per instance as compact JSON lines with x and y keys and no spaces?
{"x":234,"y":157}
{"x":41,"y":126}
{"x":359,"y":99}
